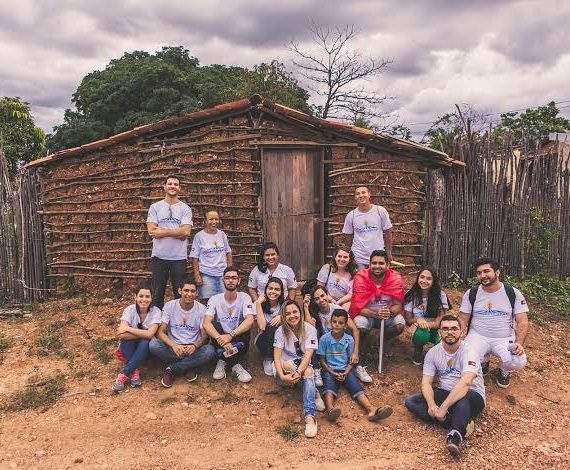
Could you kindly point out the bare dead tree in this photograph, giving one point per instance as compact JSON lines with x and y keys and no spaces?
{"x":337,"y":72}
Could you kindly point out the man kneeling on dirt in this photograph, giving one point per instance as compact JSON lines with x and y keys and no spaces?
{"x":460,"y":394}
{"x":377,"y":295}
{"x":182,"y":341}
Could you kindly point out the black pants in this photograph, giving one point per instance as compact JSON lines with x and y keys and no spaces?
{"x":460,"y":413}
{"x":265,"y":341}
{"x":242,"y":350}
{"x":161,"y":270}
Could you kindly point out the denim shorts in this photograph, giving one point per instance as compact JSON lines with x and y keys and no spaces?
{"x":211,"y":285}
{"x":351,"y":384}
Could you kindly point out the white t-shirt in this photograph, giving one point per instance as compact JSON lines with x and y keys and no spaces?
{"x":170,"y":216}
{"x":183,"y":325}
{"x":336,"y":285}
{"x":450,"y":367}
{"x":492,"y":312}
{"x":211,"y":250}
{"x":367,"y":228}
{"x":131,"y":316}
{"x":290,"y":352}
{"x":258,"y":280}
{"x":326,"y":317}
{"x":419,"y":311}
{"x":229,"y":315}
{"x":273,"y":312}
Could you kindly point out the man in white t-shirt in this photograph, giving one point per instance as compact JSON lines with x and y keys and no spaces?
{"x":496,"y":318}
{"x":459,"y":396}
{"x":169,"y":223}
{"x":228,"y":321}
{"x":369,"y":227}
{"x":182,"y":341}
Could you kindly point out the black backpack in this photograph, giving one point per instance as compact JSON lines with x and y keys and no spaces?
{"x":509,"y":290}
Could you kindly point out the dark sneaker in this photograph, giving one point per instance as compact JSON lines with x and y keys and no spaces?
{"x":192,"y":375}
{"x":119,"y":384}
{"x":485,"y":368}
{"x":136,"y":378}
{"x":453,"y":444}
{"x":167,"y":378}
{"x":503,"y":379}
{"x":418,"y":357}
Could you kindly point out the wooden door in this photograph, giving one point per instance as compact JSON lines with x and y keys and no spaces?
{"x":292,"y":188}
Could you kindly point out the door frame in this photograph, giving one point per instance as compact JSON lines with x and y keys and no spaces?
{"x":320,"y":248}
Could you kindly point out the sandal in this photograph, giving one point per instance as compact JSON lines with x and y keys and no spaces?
{"x":380,"y":414}
{"x":333,"y":415}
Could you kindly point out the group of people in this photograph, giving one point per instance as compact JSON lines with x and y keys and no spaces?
{"x":317,"y":343}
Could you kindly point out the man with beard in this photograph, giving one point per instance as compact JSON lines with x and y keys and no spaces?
{"x":377,"y":294}
{"x":495,"y":316}
{"x":229,"y":317}
{"x":169,"y":223}
{"x":460,"y":394}
{"x":367,"y":228}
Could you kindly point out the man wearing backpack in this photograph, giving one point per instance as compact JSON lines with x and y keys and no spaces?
{"x":495,"y":316}
{"x":367,"y":228}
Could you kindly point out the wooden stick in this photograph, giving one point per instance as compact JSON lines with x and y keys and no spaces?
{"x":381,"y":346}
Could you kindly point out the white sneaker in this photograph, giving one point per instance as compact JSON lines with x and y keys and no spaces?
{"x":318,"y":378}
{"x":242,"y":375}
{"x":319,"y":403}
{"x":362,"y":375}
{"x":311,"y":428}
{"x":220,"y":370}
{"x":268,"y":367}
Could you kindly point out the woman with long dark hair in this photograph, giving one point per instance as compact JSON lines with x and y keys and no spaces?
{"x":268,"y":265}
{"x":137,"y":326}
{"x":268,"y":315}
{"x":424,"y":306}
{"x":337,"y":276}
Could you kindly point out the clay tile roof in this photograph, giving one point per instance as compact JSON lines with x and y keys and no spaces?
{"x":385,"y":141}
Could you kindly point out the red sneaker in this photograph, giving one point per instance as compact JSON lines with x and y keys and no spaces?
{"x":120,"y":382}
{"x":136,"y":378}
{"x":167,"y":378}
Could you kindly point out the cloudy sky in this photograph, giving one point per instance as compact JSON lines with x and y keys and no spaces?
{"x":495,"y":55}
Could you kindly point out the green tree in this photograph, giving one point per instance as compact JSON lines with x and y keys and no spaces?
{"x":139,"y":88}
{"x":20,"y":139}
{"x":533,"y":125}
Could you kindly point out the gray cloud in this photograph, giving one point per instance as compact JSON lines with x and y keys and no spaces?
{"x":494,"y":55}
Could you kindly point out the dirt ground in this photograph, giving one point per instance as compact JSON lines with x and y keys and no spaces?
{"x":228,"y":425}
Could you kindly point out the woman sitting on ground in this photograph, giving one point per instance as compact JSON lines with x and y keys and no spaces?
{"x":268,"y":315}
{"x":295,"y":344}
{"x":137,"y":326}
{"x":424,"y":306}
{"x":337,"y":276}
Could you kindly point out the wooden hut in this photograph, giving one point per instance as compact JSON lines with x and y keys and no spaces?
{"x":273,"y":173}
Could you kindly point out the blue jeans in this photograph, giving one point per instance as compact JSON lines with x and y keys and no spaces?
{"x":211,"y":285}
{"x":460,"y":413}
{"x":161,"y":270}
{"x":351,"y":383}
{"x":309,"y":391}
{"x":135,"y":351}
{"x":242,"y":339}
{"x":179,"y":365}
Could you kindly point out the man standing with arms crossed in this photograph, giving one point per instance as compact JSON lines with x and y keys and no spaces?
{"x":367,"y":228}
{"x":495,"y":315}
{"x":169,"y":223}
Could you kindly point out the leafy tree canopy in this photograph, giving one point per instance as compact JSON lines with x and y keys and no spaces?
{"x":533,"y":125}
{"x":20,"y":139}
{"x":139,"y":88}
